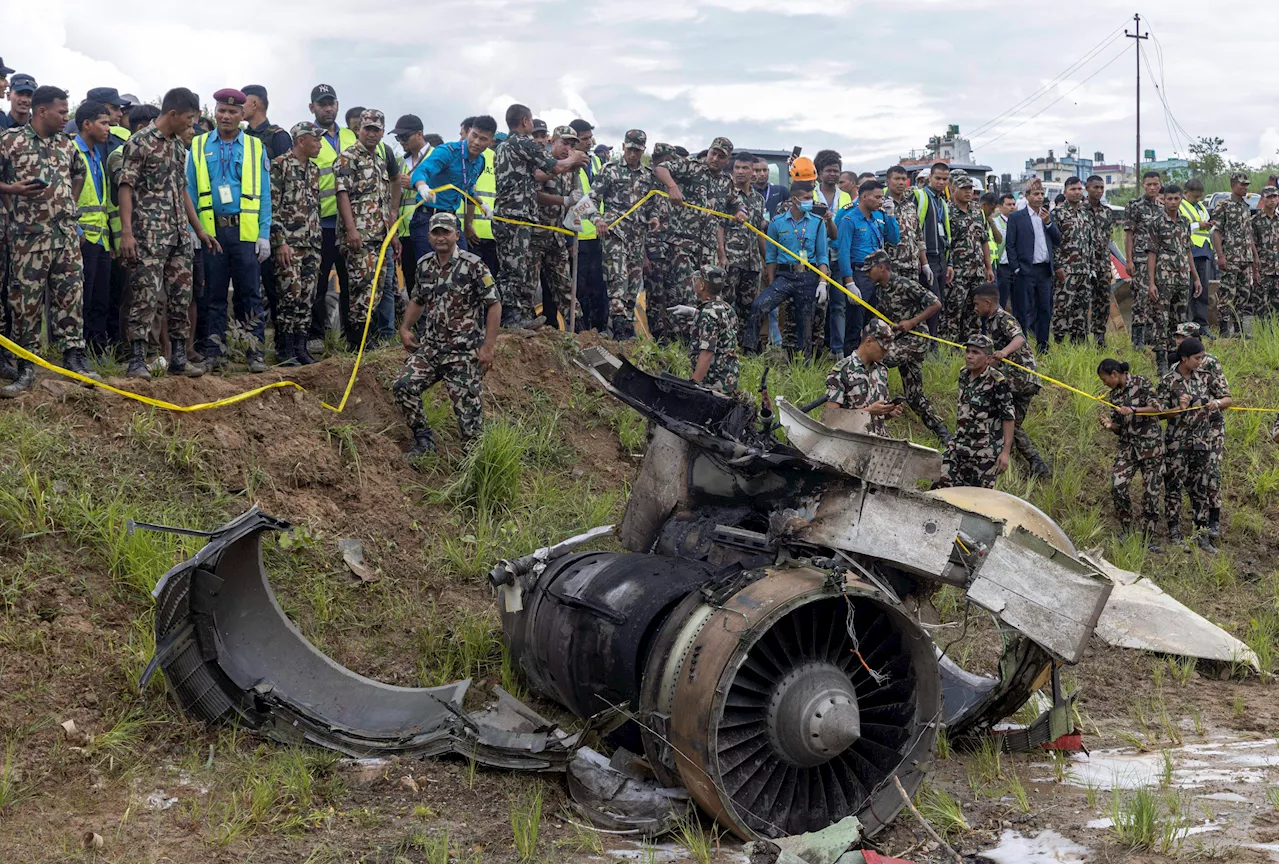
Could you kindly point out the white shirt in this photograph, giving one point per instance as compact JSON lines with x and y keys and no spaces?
{"x":1041,"y":255}
{"x":1002,"y":225}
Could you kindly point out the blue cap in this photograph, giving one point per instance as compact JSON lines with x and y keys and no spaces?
{"x":22,"y":83}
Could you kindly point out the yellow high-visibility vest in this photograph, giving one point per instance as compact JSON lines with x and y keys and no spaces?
{"x":588,"y":231}
{"x":1196,"y":213}
{"x":325,"y":162}
{"x":113,"y":206}
{"x":922,"y":209}
{"x":408,"y":196}
{"x":486,"y":191}
{"x":94,"y":221}
{"x":250,"y":186}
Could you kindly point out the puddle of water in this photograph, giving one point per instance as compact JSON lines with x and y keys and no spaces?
{"x":1194,"y":766}
{"x":1233,"y":797}
{"x":1047,"y":847}
{"x":1203,"y":828}
{"x":665,"y":853}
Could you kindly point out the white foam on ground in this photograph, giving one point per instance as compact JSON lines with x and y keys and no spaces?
{"x":1194,"y":766}
{"x":1047,"y":847}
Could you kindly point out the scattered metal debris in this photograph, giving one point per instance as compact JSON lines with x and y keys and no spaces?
{"x":353,"y":556}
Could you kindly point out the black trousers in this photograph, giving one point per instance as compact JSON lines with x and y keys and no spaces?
{"x":593,"y":295}
{"x":330,"y":256}
{"x":1198,"y":307}
{"x":937,"y":266}
{"x":97,"y":295}
{"x":270,"y":285}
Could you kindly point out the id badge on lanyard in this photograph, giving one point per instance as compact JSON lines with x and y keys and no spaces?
{"x":802,"y":232}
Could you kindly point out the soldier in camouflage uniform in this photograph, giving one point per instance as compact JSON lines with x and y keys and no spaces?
{"x":155,"y":212}
{"x":1221,"y":390}
{"x":1189,"y":440}
{"x":1237,"y":259}
{"x":515,"y":166}
{"x":712,"y":333}
{"x":367,"y":204}
{"x":618,"y":187}
{"x":970,"y":259}
{"x":1140,"y":446}
{"x":860,"y":382}
{"x":1139,"y":215}
{"x":1004,"y":330}
{"x":1266,"y":232}
{"x":44,"y":232}
{"x":296,"y":240}
{"x":1104,"y":220}
{"x":1074,"y":264}
{"x":1169,"y":266}
{"x":979,"y":451}
{"x":459,"y":331}
{"x":549,"y":250}
{"x":907,"y":256}
{"x":743,"y":247}
{"x":909,"y":305}
{"x":698,"y":238}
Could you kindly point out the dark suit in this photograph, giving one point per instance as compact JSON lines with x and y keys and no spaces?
{"x":1032,"y":283}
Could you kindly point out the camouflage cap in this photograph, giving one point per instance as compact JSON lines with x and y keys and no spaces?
{"x":963,"y":181}
{"x":635,"y":139}
{"x":443,"y":219}
{"x":1187,"y":328}
{"x":1240,"y":177}
{"x":663,"y":151}
{"x":722,"y":143}
{"x":982,"y":343}
{"x":712,"y":275}
{"x":1270,"y":191}
{"x":373,"y":117}
{"x":306,"y":127}
{"x":879,"y":331}
{"x":563,"y":132}
{"x":879,"y":256}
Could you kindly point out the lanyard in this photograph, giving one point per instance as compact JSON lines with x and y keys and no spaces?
{"x":464,"y":152}
{"x":800,"y":230}
{"x":226,"y":157}
{"x":877,"y":236}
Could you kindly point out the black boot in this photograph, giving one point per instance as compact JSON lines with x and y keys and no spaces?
{"x":1139,"y":336}
{"x":622,"y":329}
{"x":300,"y":351}
{"x":286,"y":353}
{"x":25,"y":377}
{"x":423,"y":443}
{"x":138,"y":361}
{"x":180,"y":364}
{"x":74,"y":360}
{"x":255,"y":361}
{"x":1202,"y":539}
{"x":7,"y":370}
{"x":1162,"y":363}
{"x":1214,"y":515}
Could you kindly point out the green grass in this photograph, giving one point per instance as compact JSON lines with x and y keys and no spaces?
{"x":941,"y":810}
{"x":695,"y":839}
{"x":1149,"y":819}
{"x":526,"y":820}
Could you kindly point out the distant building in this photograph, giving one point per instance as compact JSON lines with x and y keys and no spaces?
{"x":1169,"y":168}
{"x":1113,"y":175}
{"x":951,"y":148}
{"x":1052,"y":171}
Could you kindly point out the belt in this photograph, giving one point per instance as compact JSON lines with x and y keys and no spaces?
{"x":792,"y":268}
{"x":231,"y":220}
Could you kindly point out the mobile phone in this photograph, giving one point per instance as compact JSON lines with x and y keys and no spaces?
{"x":819,"y":210}
{"x":897,"y":400}
{"x":39,"y":182}
{"x":795,"y":152}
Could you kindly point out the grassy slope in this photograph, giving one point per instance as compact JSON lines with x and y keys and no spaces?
{"x":75,"y":618}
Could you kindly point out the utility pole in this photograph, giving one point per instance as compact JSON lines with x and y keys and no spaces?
{"x":1137,"y":36}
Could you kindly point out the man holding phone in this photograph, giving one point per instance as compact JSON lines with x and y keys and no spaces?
{"x":860,"y":382}
{"x":1030,"y":241}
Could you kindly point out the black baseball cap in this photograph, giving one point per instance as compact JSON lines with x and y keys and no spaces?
{"x":407,"y":125}
{"x":322,"y":91}
{"x":4,"y":70}
{"x":539,"y":125}
{"x":107,"y":96}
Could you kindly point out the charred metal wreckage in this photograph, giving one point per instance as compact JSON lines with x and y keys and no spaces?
{"x":767,"y":641}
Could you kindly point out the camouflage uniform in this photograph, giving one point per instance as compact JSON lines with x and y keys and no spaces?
{"x":968,"y":239}
{"x":1075,"y":256}
{"x":295,"y":222}
{"x":693,"y":234}
{"x":715,"y":329}
{"x":517,"y":198}
{"x":1104,"y":220}
{"x":984,"y":403}
{"x":742,"y":249}
{"x":904,"y":256}
{"x":1235,"y":281}
{"x":851,"y":384}
{"x":363,"y":176}
{"x":1171,"y":241}
{"x":155,"y":166}
{"x":618,"y":188}
{"x":1188,"y":446}
{"x":43,"y":236}
{"x":900,"y":298}
{"x":1140,"y":448}
{"x":549,"y":250}
{"x":455,"y":297}
{"x":1218,"y":389}
{"x":1003,"y":328}
{"x":1266,"y":230}
{"x":1139,"y":214}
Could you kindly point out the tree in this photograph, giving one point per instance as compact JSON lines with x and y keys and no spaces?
{"x":1206,"y":157}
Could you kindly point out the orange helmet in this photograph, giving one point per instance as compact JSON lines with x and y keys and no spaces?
{"x":802,"y":169}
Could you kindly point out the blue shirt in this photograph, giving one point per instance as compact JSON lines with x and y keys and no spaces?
{"x":857,"y":236}
{"x":807,"y":233}
{"x":95,"y":163}
{"x":450,"y":162}
{"x":223,"y":159}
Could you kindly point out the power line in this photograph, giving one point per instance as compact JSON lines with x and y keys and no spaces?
{"x":1046,"y":88}
{"x":1169,"y":122}
{"x":1161,"y":87}
{"x":1056,"y":101}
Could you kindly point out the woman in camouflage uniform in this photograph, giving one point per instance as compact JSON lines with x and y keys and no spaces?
{"x":1140,"y":446}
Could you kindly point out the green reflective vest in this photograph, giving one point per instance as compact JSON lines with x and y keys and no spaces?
{"x":486,"y":191}
{"x":922,"y":207}
{"x":94,"y":220}
{"x":250,"y":186}
{"x":588,"y":231}
{"x":1196,"y":213}
{"x":325,"y":162}
{"x":408,"y":197}
{"x":113,"y":205}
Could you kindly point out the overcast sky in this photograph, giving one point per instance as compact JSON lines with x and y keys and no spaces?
{"x":871,"y":79}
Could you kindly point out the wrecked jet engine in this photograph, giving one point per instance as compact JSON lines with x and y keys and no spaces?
{"x":763,"y":633}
